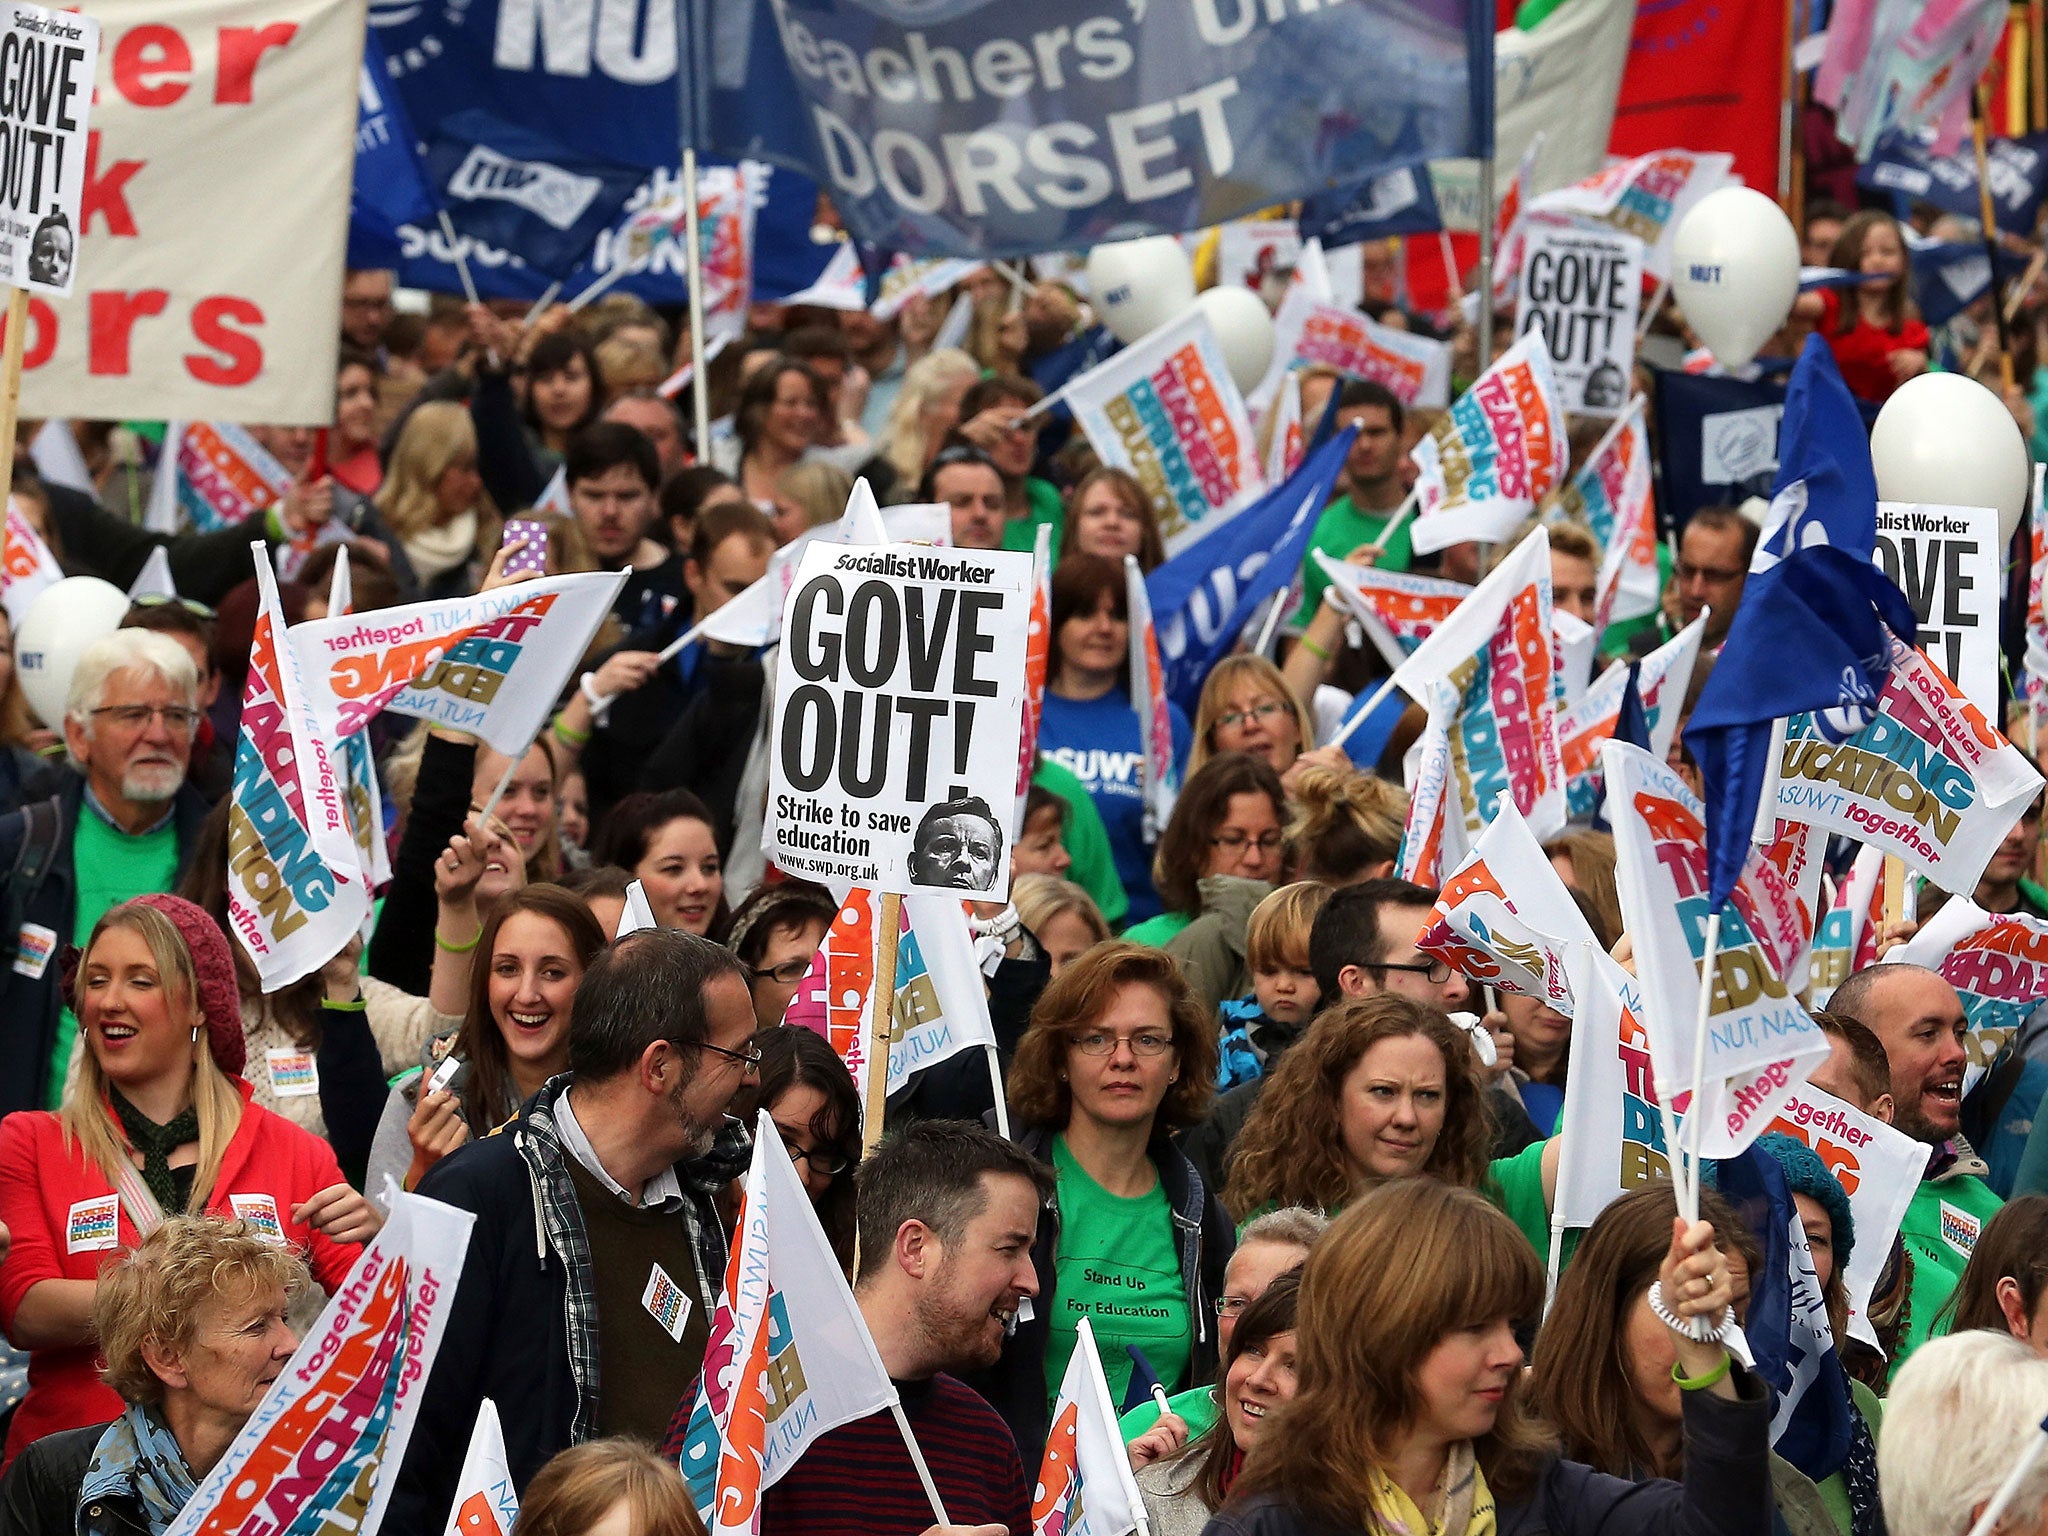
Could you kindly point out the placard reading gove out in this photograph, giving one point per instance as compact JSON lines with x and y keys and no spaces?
{"x":898,"y":703}
{"x":1583,"y":289}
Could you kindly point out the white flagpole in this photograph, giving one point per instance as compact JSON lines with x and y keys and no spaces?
{"x":1696,"y":1116}
{"x":924,"y":1473}
{"x":461,"y":261}
{"x":1358,"y":716}
{"x":504,"y":782}
{"x":995,"y":1082}
{"x":540,"y":305}
{"x":699,"y":385}
{"x":1397,"y":522}
{"x":2009,"y":1489}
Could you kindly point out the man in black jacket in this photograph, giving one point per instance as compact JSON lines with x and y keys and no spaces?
{"x":123,"y":824}
{"x":597,"y":1254}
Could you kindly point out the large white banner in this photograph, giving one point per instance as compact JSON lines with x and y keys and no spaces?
{"x":212,"y":219}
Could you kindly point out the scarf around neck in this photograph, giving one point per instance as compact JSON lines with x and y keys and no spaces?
{"x":1461,"y":1495}
{"x":138,"y":1458}
{"x":156,"y":1143}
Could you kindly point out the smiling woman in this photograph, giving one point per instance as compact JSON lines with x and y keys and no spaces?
{"x":157,"y":1121}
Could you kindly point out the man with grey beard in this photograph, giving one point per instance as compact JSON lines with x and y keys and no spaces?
{"x":124,"y":823}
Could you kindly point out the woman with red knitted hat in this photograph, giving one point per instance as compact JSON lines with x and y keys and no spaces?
{"x":156,"y":1121}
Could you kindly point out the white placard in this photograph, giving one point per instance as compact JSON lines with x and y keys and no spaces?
{"x":1584,"y":290}
{"x":898,"y":705}
{"x":1945,"y":559}
{"x":47,"y":59}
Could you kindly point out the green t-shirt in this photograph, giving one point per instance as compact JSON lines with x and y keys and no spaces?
{"x":1086,"y":840}
{"x":110,"y":867}
{"x":1340,"y":530}
{"x":1043,"y":505}
{"x":1118,"y":1265}
{"x":1197,"y":1408}
{"x":1157,"y":931}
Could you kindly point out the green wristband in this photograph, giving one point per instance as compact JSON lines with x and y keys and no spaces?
{"x":1700,"y":1383}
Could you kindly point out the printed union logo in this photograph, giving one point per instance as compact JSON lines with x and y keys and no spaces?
{"x":548,"y":192}
{"x":1959,"y":1229}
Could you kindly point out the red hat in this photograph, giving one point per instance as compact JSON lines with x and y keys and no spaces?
{"x":220,"y":1000}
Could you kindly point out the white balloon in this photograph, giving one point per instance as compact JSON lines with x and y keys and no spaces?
{"x":1735,"y":272}
{"x":1137,"y":286}
{"x":1245,"y":327}
{"x":1946,"y":440}
{"x":55,"y":632}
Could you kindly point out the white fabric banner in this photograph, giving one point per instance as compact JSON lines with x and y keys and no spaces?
{"x":1498,"y":451}
{"x":210,"y":239}
{"x":1085,"y":1486}
{"x":486,"y":1503}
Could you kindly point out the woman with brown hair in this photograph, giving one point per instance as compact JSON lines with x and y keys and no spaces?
{"x":1408,"y":1413}
{"x":1118,"y":1056}
{"x":809,"y":1094}
{"x":514,"y":1035}
{"x":1183,"y":1490}
{"x":1108,"y":514}
{"x":614,"y":1487}
{"x":1220,"y":853}
{"x":1379,"y":1088}
{"x":2005,"y":1284}
{"x":1603,"y":1370}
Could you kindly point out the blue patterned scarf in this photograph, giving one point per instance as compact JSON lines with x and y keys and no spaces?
{"x":138,"y":1462}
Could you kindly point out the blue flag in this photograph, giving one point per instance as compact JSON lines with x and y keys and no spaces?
{"x":1143,"y":1380}
{"x":1397,"y":202}
{"x":1787,"y":1324}
{"x":508,"y":186}
{"x":1903,"y":165}
{"x":1808,"y":634}
{"x":1204,"y":596}
{"x":1632,"y":725}
{"x":391,"y":188}
{"x":1950,"y":276}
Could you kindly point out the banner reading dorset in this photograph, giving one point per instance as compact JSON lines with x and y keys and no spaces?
{"x":1927,"y":779}
{"x":1497,"y":452}
{"x":322,"y":1450}
{"x":209,"y":242}
{"x":296,"y":892}
{"x":1755,"y":1024}
{"x":457,"y":663}
{"x":898,"y":704}
{"x":1167,"y":410}
{"x":1485,"y":676}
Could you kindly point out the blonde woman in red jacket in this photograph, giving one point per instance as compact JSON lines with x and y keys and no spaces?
{"x":157,"y":1121}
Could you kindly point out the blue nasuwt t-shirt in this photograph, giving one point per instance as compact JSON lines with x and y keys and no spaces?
{"x":1097,"y":741}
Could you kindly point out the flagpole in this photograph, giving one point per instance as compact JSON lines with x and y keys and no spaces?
{"x":10,"y":387}
{"x":881,"y":1023}
{"x":1696,"y":1115}
{"x":2008,"y":1490}
{"x":1550,"y":1269}
{"x":548,"y":296}
{"x":461,"y":261}
{"x":1398,"y":521}
{"x":504,"y":783}
{"x":1978,"y":109}
{"x":699,"y":385}
{"x":1657,"y":297}
{"x":1271,"y":626}
{"x":1358,"y":716}
{"x":668,"y":652}
{"x":995,"y":1082}
{"x":1788,"y":78}
{"x":1486,"y":254}
{"x":1764,"y":830}
{"x":1894,"y":892}
{"x":924,"y":1473}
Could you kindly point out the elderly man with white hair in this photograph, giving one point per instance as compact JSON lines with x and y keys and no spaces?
{"x":1961,"y":1414}
{"x":122,"y":824}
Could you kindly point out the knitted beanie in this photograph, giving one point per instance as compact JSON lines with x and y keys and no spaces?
{"x":219,"y":1000}
{"x":1805,"y":1174}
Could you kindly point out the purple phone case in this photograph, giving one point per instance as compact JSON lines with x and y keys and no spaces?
{"x":535,"y":556}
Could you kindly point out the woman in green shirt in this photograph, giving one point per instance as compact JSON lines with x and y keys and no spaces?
{"x":1118,"y":1056}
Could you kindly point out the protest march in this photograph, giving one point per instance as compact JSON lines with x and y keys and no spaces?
{"x":881,"y":768}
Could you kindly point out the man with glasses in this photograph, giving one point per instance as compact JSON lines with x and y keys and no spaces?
{"x":597,"y":1253}
{"x":1713,"y":563}
{"x":123,"y":824}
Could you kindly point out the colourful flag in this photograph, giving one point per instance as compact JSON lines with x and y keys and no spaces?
{"x":941,"y":1005}
{"x":1611,"y":491}
{"x":486,"y":1503}
{"x":1284,"y":442}
{"x":1504,"y":917}
{"x":1148,"y":698}
{"x":1166,"y":409}
{"x":1085,"y":1486}
{"x":1485,"y":678}
{"x":2037,"y":583}
{"x":1916,"y":68}
{"x":1998,"y":964}
{"x":789,"y":1357}
{"x":27,"y":568}
{"x":1926,"y":779}
{"x":1646,"y":197}
{"x":726,"y":197}
{"x":492,"y":664}
{"x":212,"y":475}
{"x":358,"y":766}
{"x":1878,"y":1168}
{"x":1846,"y":940}
{"x":1416,"y":368}
{"x":322,"y":1450}
{"x":1510,"y":220}
{"x":1397,"y":611}
{"x":1613,"y":1125}
{"x":1661,"y":682}
{"x":1428,"y":771}
{"x":1758,"y":1035}
{"x":1485,"y":463}
{"x":1037,"y":660}
{"x":295,"y":885}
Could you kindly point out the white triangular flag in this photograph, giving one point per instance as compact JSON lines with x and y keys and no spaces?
{"x":154,"y":579}
{"x":486,"y":1503}
{"x":638,"y":913}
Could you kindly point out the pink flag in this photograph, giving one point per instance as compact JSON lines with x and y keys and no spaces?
{"x":1148,"y":697}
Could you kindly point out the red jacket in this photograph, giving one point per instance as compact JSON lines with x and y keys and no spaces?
{"x":55,"y":1204}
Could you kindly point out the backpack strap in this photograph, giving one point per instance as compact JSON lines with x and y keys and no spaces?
{"x":42,"y":827}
